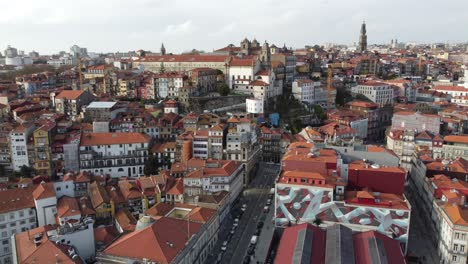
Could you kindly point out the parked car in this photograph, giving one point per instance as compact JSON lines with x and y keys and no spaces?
{"x":251,"y":250}
{"x":260,"y":224}
{"x":219,"y":258}
{"x":258,"y":231}
{"x":244,"y":207}
{"x":268,"y":202}
{"x":253,"y":240}
{"x":246,"y":260}
{"x":266,"y":209}
{"x":224,"y":246}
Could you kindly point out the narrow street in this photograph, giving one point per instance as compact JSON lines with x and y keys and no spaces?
{"x":255,"y":197}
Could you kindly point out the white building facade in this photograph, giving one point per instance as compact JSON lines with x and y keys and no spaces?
{"x":310,"y":92}
{"x":116,"y":154}
{"x":19,"y":148}
{"x":254,"y":106}
{"x":378,"y":93}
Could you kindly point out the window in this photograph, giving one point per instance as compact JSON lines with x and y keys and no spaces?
{"x":463,"y":236}
{"x":5,"y":242}
{"x":454,"y":258}
{"x":455,"y":247}
{"x":4,"y":234}
{"x":6,"y":249}
{"x":457,"y":235}
{"x":58,"y":188}
{"x":462,"y":248}
{"x":12,"y":215}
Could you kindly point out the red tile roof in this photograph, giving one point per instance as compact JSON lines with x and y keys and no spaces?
{"x":47,"y":252}
{"x":161,"y":242}
{"x":177,"y":188}
{"x":126,"y":220}
{"x":16,"y":199}
{"x":70,"y":94}
{"x":448,"y":88}
{"x":93,"y":139}
{"x":184,"y":58}
{"x":67,"y":206}
{"x":456,"y":139}
{"x":363,"y":251}
{"x":258,"y":83}
{"x":44,"y":190}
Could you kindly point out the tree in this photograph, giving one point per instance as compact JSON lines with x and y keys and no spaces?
{"x":151,"y":165}
{"x":223,"y":89}
{"x":319,"y":112}
{"x":27,"y":171}
{"x":297,"y":125}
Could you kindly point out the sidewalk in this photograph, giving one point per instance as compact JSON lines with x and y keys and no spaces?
{"x":264,"y":241}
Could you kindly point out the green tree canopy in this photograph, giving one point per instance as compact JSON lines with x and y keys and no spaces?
{"x":223,"y":88}
{"x":151,"y":166}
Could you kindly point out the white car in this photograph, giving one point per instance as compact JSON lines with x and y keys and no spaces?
{"x":244,"y":207}
{"x":224,"y":246}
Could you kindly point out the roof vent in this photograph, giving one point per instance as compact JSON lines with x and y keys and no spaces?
{"x":375,"y":166}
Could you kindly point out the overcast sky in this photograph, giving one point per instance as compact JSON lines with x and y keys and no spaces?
{"x":49,"y":26}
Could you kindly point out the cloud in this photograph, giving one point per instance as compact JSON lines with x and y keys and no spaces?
{"x":179,"y":29}
{"x":226,"y":29}
{"x":111,"y":25}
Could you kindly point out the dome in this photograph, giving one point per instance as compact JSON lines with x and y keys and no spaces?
{"x":144,"y":222}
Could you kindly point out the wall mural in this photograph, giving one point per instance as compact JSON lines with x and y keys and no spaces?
{"x":295,"y":205}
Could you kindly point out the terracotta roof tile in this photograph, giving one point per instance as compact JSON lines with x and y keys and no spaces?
{"x":126,"y":220}
{"x":161,"y":242}
{"x":44,"y":190}
{"x":16,"y":199}
{"x":93,"y":139}
{"x":70,"y":94}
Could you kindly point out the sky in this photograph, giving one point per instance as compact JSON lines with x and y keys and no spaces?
{"x":49,"y":26}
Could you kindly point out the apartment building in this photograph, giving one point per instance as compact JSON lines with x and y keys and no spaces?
{"x":19,"y":146}
{"x":215,"y":176}
{"x":416,"y":121}
{"x":168,"y":84}
{"x":310,"y":92}
{"x":181,"y":233}
{"x":203,"y":79}
{"x":455,"y":146}
{"x":379,"y":93}
{"x":17,"y":214}
{"x":116,"y":154}
{"x":71,"y":102}
{"x":243,"y":144}
{"x":42,"y":146}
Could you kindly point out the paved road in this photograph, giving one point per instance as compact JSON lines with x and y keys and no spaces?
{"x":255,"y":197}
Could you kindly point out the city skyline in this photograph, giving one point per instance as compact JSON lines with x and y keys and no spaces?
{"x":183,"y":25}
